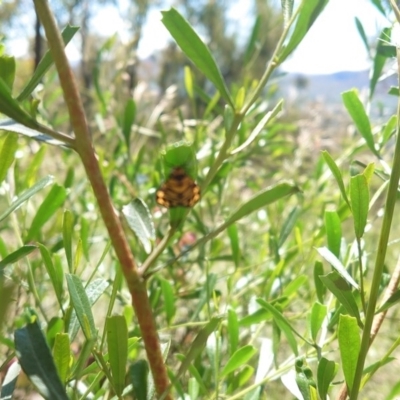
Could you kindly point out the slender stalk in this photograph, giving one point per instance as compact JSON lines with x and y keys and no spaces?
{"x":136,"y":285}
{"x":380,"y":257}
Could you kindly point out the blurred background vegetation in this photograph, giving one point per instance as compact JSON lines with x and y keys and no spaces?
{"x":270,"y":254}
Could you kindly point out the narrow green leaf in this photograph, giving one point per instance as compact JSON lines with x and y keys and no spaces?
{"x":188,"y":79}
{"x":194,"y":389}
{"x":198,"y":344}
{"x":288,"y":225}
{"x":16,"y":255}
{"x":333,"y":229}
{"x":349,"y":347}
{"x":233,"y":331}
{"x":362,"y":34}
{"x":93,"y":292}
{"x":360,"y":118}
{"x":384,"y":50}
{"x":336,"y":263}
{"x":190,"y":43}
{"x":283,"y":324}
{"x":26,"y":195}
{"x":317,"y":316}
{"x":169,"y":299}
{"x":62,"y":355}
{"x":128,"y":120}
{"x":325,"y":373}
{"x":359,"y":197}
{"x":252,"y":43}
{"x":117,"y":341}
{"x":268,"y":117}
{"x":319,"y":286}
{"x":337,"y":174}
{"x":45,"y":63}
{"x":390,"y":302}
{"x":239,"y":358}
{"x":7,"y":154}
{"x":53,"y":201}
{"x":54,"y":327}
{"x":342,"y":291}
{"x":55,"y":272}
{"x":10,"y":107}
{"x":262,"y":199}
{"x":68,"y":226}
{"x":139,"y":219}
{"x":309,"y":12}
{"x":389,"y":129}
{"x":81,"y":305}
{"x":37,"y":362}
{"x":34,"y":131}
{"x":7,"y":70}
{"x":234,"y":241}
{"x":138,"y":373}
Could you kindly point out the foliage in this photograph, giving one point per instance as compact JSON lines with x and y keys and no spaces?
{"x":264,"y":287}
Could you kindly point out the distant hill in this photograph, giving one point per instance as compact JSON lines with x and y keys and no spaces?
{"x":328,"y":88}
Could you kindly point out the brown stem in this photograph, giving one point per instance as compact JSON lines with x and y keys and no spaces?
{"x":136,"y":284}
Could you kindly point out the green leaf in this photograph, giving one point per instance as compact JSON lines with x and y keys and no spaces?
{"x":233,"y":331}
{"x":190,"y":43}
{"x":7,"y":154}
{"x":45,"y":63}
{"x":10,"y":107}
{"x":138,"y":373}
{"x":62,"y":355}
{"x":359,"y":197}
{"x":26,"y":195}
{"x":128,"y":120}
{"x":308,"y":13}
{"x":16,"y":255}
{"x":55,"y":272}
{"x":288,"y":225}
{"x":389,"y":129}
{"x":349,"y":347}
{"x":337,"y":174}
{"x":93,"y":292}
{"x":381,"y":56}
{"x":234,"y":241}
{"x":239,"y":358}
{"x":53,"y":201}
{"x":282,"y":323}
{"x":319,"y":286}
{"x":81,"y":305}
{"x":169,"y":299}
{"x":390,"y":302}
{"x":362,"y":34}
{"x":342,"y":291}
{"x":117,"y":341}
{"x":325,"y":373}
{"x":35,"y":132}
{"x":268,"y":117}
{"x":262,"y":199}
{"x":317,"y":316}
{"x":68,"y":226}
{"x":7,"y":70}
{"x":336,"y":263}
{"x":360,"y":118}
{"x":252,"y":43}
{"x":188,"y":79}
{"x":198,"y":344}
{"x":36,"y":361}
{"x":139,"y":219}
{"x":333,"y":229}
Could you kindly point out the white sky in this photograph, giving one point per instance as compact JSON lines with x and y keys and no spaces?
{"x":333,"y":43}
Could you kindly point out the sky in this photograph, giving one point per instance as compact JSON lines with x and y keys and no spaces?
{"x":332,"y":45}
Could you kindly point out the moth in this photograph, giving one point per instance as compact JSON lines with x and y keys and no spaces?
{"x":178,"y":190}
